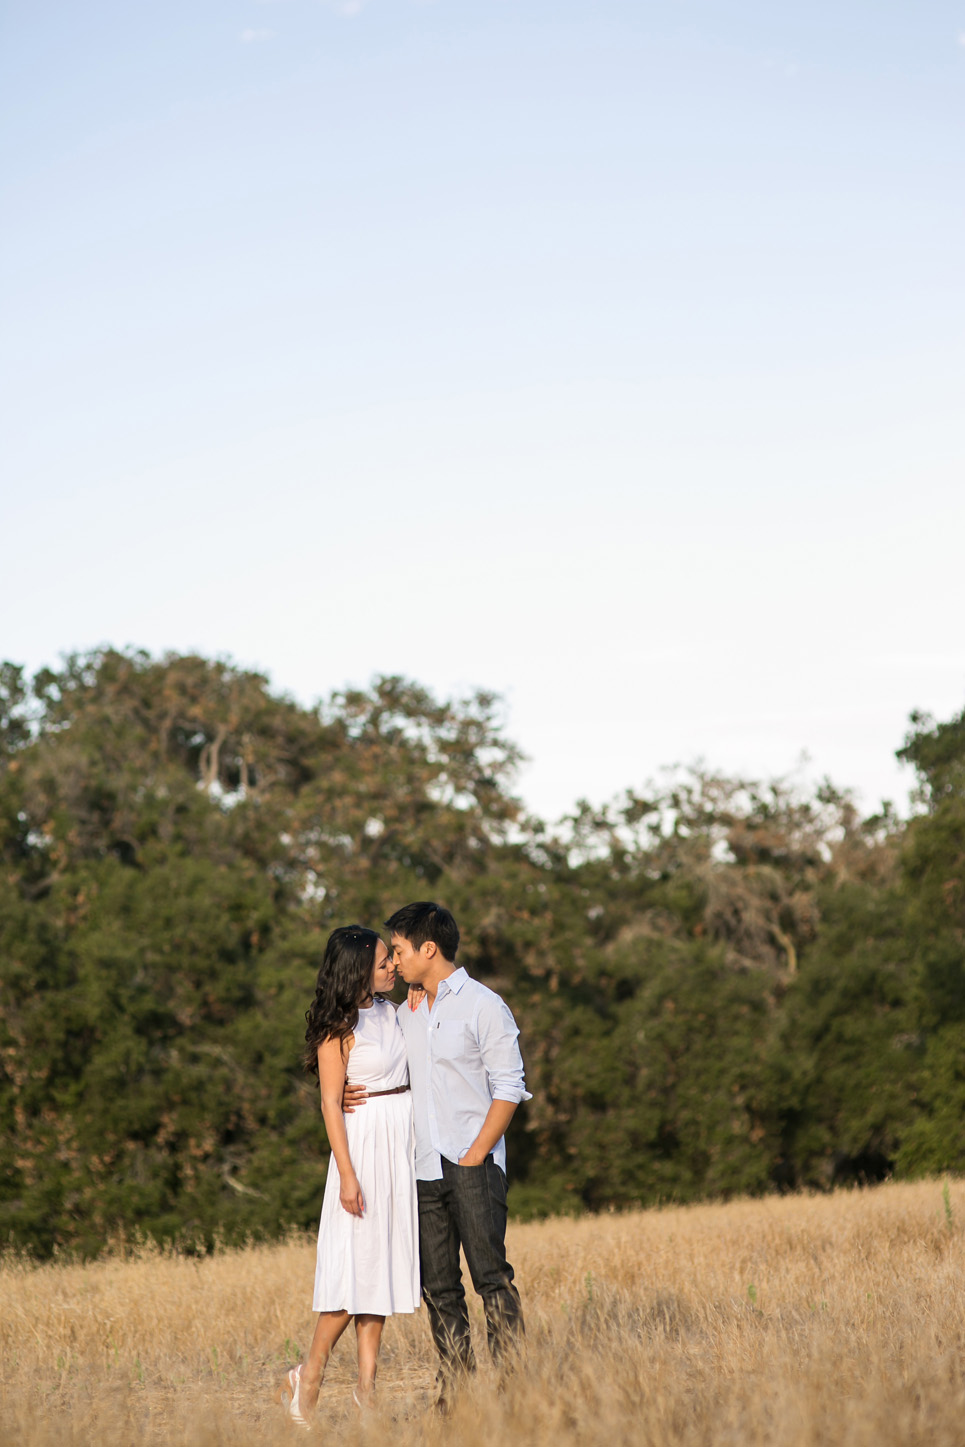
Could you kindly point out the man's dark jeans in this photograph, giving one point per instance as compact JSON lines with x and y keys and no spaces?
{"x":468,"y":1208}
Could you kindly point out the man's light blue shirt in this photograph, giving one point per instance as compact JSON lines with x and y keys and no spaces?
{"x":463,"y":1055}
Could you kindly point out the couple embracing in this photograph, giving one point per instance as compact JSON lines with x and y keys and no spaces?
{"x":416,"y":1102}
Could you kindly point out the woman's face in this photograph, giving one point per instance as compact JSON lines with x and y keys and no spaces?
{"x":383,"y":971}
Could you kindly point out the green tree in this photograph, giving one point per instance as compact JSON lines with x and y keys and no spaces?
{"x":176,"y":844}
{"x":721,"y":983}
{"x":933,"y":863}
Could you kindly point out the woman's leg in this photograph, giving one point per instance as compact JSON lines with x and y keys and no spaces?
{"x":368,"y":1331}
{"x":328,"y":1329}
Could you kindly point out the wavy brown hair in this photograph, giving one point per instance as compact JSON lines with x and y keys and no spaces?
{"x":343,"y":983}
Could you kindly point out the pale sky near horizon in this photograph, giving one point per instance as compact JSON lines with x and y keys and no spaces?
{"x":610,"y":356}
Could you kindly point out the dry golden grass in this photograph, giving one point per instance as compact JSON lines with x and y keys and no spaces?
{"x":802,"y":1321}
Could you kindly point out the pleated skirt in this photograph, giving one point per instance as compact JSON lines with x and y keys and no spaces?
{"x":370,"y":1264}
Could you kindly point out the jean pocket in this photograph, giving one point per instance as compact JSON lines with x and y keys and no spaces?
{"x":472,"y":1176}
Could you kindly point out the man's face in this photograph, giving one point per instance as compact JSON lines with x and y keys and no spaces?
{"x":410,"y":963}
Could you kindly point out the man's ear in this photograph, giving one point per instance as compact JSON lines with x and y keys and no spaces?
{"x":429,"y":949}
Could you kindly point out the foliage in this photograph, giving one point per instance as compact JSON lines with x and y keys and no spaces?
{"x":723,"y":985}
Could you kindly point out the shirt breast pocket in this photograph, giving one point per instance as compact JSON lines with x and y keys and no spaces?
{"x":450,"y":1040}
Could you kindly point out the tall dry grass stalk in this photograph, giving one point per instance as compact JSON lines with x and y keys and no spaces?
{"x":802,"y":1321}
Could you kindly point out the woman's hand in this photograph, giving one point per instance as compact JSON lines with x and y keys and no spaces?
{"x":415,"y":998}
{"x":350,"y":1195}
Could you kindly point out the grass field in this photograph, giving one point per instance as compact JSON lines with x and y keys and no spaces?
{"x":803,"y":1320}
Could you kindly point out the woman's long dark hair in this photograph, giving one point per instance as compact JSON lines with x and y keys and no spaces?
{"x":343,"y":982}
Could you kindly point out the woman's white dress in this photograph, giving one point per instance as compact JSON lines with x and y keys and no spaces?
{"x":370,"y":1263}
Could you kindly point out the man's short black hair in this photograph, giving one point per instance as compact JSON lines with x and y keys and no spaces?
{"x":426,"y":921}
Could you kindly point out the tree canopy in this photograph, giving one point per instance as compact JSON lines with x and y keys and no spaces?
{"x":724,"y":985}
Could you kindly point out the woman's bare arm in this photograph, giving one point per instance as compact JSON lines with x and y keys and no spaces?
{"x":332,"y":1058}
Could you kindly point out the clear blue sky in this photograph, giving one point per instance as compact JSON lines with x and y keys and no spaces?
{"x":608,"y":355}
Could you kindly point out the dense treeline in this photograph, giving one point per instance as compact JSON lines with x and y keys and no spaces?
{"x":723,"y":986}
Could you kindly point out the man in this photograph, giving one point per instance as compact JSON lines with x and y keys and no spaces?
{"x":466,"y":1075}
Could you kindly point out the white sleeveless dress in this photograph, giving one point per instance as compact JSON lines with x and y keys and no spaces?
{"x":370,"y":1263}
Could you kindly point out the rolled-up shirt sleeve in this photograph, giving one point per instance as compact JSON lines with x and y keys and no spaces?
{"x":498,"y":1037}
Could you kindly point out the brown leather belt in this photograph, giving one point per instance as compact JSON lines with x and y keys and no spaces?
{"x":396,"y":1090}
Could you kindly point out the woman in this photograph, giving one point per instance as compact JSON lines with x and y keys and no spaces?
{"x":367,"y":1266}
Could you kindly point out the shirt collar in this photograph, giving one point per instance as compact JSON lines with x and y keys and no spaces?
{"x":454,"y":982}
